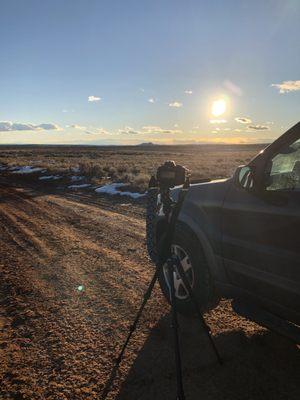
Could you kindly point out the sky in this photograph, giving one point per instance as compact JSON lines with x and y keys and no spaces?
{"x":161,"y":71}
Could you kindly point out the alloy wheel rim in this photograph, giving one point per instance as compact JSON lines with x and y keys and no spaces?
{"x":181,"y":292}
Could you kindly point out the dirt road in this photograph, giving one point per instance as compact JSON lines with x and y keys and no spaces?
{"x":73,"y":269}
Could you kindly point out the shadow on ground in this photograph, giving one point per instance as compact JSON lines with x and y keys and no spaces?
{"x":261,"y":366}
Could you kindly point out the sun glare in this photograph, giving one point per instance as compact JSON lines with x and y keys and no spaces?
{"x":218,"y":107}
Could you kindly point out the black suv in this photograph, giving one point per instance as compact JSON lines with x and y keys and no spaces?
{"x":240,"y":237}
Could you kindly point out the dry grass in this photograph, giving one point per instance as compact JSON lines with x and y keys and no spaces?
{"x":132,"y":164}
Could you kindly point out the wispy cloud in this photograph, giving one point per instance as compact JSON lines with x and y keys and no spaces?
{"x":188,"y":92}
{"x":175,"y":104}
{"x":159,"y":130}
{"x":98,"y":131}
{"x":151,"y":100}
{"x":258,"y":127}
{"x":148,"y":130}
{"x":128,"y":131}
{"x":94,"y":98}
{"x":243,"y":120}
{"x":67,"y":111}
{"x":219,"y":130}
{"x":217,"y":121}
{"x":75,"y":126}
{"x":8,"y":126}
{"x":287,"y":86}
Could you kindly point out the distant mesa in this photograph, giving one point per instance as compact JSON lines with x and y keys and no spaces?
{"x":147,"y":144}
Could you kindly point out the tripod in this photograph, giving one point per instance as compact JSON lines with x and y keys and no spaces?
{"x":174,"y":266}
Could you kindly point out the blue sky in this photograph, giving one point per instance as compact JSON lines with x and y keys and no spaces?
{"x":152,"y":70}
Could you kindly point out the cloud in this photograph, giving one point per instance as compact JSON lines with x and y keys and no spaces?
{"x":75,"y":126}
{"x":94,"y":98}
{"x":219,"y":130}
{"x":47,"y":127}
{"x":175,"y":104}
{"x":258,"y":127}
{"x":128,"y":131}
{"x":8,"y":126}
{"x":287,"y":86}
{"x":159,"y":130}
{"x":90,"y":130}
{"x":151,"y":100}
{"x":243,"y":120}
{"x":101,"y":131}
{"x":148,"y":130}
{"x":188,"y":92}
{"x":217,"y":121}
{"x":97,"y":131}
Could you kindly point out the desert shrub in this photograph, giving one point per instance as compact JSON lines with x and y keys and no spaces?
{"x":137,"y":182}
{"x":135,"y":170}
{"x":106,"y":168}
{"x":113,"y":172}
{"x":127,"y":178}
{"x":122,"y":169}
{"x":91,"y":170}
{"x":141,"y":180}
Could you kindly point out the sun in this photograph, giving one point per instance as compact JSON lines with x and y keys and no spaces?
{"x":218,"y":107}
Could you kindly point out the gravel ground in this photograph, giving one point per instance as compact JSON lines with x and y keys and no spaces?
{"x":73,"y":270}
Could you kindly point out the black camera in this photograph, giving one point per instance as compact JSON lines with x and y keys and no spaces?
{"x":169,"y":174}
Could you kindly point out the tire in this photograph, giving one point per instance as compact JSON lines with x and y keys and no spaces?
{"x":194,"y":262}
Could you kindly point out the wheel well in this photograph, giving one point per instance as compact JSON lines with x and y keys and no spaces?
{"x":204,"y":245}
{"x":161,"y":227}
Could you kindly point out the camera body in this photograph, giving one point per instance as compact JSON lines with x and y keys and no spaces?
{"x":170,"y":174}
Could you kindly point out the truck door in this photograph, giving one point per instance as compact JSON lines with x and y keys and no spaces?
{"x":261,"y":232}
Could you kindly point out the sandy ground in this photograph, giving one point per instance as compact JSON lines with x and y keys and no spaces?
{"x":59,"y":342}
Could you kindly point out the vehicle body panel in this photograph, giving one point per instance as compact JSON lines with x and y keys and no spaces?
{"x":261,"y":245}
{"x":250,"y":237}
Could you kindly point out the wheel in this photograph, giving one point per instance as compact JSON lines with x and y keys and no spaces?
{"x":187,"y":247}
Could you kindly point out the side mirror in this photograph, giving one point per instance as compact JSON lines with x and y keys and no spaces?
{"x":244,"y":177}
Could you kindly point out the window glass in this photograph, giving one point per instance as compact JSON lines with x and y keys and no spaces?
{"x":284,"y":169}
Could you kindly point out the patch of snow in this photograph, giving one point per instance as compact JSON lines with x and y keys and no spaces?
{"x":75,"y":178}
{"x":27,"y":170}
{"x":83,"y":185}
{"x":112,"y":189}
{"x":75,"y":169}
{"x":49,"y":177}
{"x":3,"y":168}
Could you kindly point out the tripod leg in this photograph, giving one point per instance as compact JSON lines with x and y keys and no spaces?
{"x":180,"y":392}
{"x":131,"y":330}
{"x":196,"y":305}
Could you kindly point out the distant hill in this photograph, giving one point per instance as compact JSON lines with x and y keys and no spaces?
{"x":147,"y":144}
